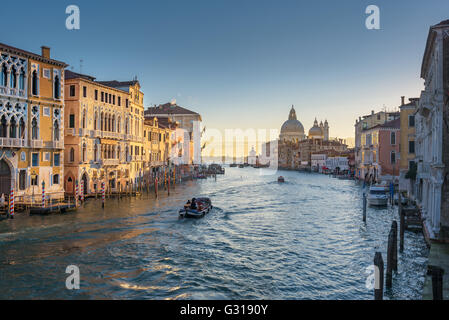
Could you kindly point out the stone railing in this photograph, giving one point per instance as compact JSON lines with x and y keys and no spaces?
{"x":36,"y":143}
{"x":12,"y":143}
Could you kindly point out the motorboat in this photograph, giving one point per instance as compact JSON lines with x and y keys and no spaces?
{"x":377,"y":195}
{"x":204,"y":205}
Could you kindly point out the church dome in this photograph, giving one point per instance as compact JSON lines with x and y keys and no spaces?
{"x":292,"y":125}
{"x":315,"y":131}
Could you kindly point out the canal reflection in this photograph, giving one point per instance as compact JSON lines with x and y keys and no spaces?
{"x":303,"y":239}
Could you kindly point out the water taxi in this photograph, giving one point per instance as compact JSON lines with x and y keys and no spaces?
{"x":204,"y":205}
{"x":378,"y":196}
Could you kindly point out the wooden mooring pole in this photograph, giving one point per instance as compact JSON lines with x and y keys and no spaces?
{"x":364,"y":207}
{"x":401,"y":225}
{"x":437,"y":282}
{"x":378,"y":276}
{"x":394,"y":230}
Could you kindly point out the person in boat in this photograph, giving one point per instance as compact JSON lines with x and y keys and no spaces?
{"x":187,"y":205}
{"x":193,"y":204}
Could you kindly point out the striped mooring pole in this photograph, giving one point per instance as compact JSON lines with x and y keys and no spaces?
{"x":11,"y":204}
{"x":102,"y":194}
{"x":82,"y":191}
{"x":155,"y":185}
{"x":76,"y":193}
{"x":43,"y":194}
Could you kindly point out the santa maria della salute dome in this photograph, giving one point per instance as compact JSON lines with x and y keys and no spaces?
{"x":292,"y":130}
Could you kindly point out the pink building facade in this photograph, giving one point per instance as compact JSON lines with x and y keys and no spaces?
{"x":380,"y":151}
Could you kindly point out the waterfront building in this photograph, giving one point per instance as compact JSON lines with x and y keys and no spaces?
{"x":407,"y":144}
{"x":157,"y":133}
{"x":189,"y":131}
{"x":318,"y":161}
{"x":363,"y":124}
{"x":31,"y":126}
{"x":252,"y":157}
{"x":380,"y":151}
{"x":432,"y":135}
{"x":134,"y":122}
{"x":99,"y":137}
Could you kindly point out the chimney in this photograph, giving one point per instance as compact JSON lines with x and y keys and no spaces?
{"x":372,"y":112}
{"x":402,"y":100}
{"x":45,"y":52}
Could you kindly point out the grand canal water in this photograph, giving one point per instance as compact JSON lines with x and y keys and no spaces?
{"x":304,"y":239}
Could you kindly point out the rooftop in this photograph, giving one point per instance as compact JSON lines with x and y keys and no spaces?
{"x":168,"y":108}
{"x":28,"y":54}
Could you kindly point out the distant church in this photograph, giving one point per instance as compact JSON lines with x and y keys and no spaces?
{"x":292,"y":130}
{"x":294,"y":148}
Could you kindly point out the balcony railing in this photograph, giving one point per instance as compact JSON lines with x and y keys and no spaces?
{"x":84,"y":132}
{"x":12,"y":143}
{"x":69,"y":131}
{"x":110,"y":162}
{"x":12,"y":92}
{"x":36,"y":144}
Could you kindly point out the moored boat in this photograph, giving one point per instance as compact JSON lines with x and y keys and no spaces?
{"x":377,"y":195}
{"x":204,"y":205}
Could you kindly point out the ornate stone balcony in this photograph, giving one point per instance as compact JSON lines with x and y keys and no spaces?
{"x":14,"y":92}
{"x":12,"y":143}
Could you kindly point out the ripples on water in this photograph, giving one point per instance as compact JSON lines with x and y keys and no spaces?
{"x":303,"y":239}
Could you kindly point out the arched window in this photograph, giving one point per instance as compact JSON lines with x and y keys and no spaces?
{"x":118,"y":125}
{"x":126,"y":154}
{"x":13,"y":78}
{"x":113,"y":123}
{"x":84,"y":119}
{"x":57,"y":88}
{"x":56,"y":131}
{"x":34,"y":83}
{"x":102,"y":121}
{"x":95,"y":121}
{"x":22,"y":79}
{"x":34,"y":129}
{"x":84,"y":152}
{"x":21,"y":129}
{"x":95,"y":152}
{"x":3,"y":127}
{"x":13,"y":128}
{"x":119,"y":155}
{"x":3,"y":76}
{"x":72,"y":155}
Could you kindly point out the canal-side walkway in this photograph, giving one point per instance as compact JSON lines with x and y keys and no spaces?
{"x":439,"y":257}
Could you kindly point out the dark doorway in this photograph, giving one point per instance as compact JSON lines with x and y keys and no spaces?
{"x":5,"y":178}
{"x":84,"y":179}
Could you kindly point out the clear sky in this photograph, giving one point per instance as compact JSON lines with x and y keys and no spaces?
{"x":242,"y":64}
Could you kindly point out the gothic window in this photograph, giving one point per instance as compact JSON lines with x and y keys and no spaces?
{"x":3,"y":127}
{"x":72,"y":155}
{"x":95,"y":121}
{"x":113,"y":123}
{"x":102,"y":121}
{"x":393,"y":138}
{"x":13,"y":78}
{"x":34,"y":83}
{"x":34,"y":129}
{"x":95,"y":152}
{"x":56,"y":131}
{"x":3,"y":76}
{"x":84,"y":152}
{"x":22,"y":79}
{"x":21,"y":128}
{"x":57,"y":88}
